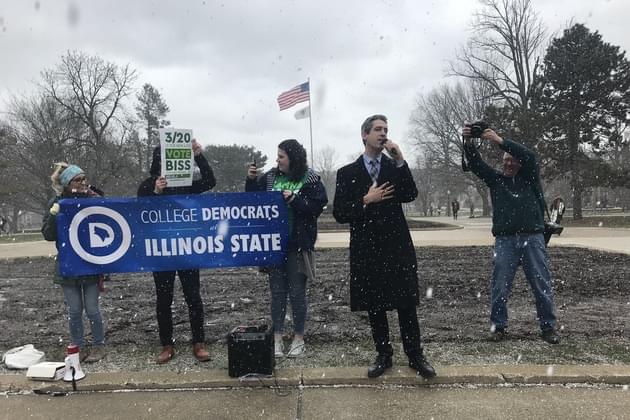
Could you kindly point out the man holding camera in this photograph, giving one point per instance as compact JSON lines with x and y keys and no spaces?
{"x":383,"y":264}
{"x":518,"y":225}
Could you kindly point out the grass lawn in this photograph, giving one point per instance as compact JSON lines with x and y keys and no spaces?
{"x":20,"y":237}
{"x":621,"y":221}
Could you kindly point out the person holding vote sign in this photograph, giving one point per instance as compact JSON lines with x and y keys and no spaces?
{"x":156,"y":185}
{"x":305,"y":197}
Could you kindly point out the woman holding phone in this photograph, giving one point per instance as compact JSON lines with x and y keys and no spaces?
{"x":305,"y":197}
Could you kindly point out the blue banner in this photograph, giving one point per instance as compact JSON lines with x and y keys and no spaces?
{"x":114,"y":235}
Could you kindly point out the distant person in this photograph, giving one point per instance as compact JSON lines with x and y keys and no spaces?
{"x":455,"y":208}
{"x":471,"y":206}
{"x":81,"y":293}
{"x":557,"y":210}
{"x":305,"y":197}
{"x":157,"y":185}
{"x":518,"y":225}
{"x":383,"y":263}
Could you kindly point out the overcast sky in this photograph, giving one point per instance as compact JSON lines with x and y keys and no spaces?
{"x":220,"y":65}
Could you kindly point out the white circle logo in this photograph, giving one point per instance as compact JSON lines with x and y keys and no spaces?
{"x":98,"y":259}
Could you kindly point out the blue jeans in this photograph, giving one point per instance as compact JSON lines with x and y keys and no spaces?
{"x":528,"y":249}
{"x":84,"y":297}
{"x":284,"y":281}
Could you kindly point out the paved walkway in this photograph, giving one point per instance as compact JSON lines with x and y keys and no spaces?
{"x":469,"y":232}
{"x":500,"y":391}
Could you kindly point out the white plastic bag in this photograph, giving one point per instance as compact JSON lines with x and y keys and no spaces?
{"x":22,"y":357}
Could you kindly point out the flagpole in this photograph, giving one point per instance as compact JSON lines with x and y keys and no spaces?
{"x":310,"y":120}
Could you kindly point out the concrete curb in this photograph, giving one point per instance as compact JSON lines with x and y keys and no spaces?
{"x":347,"y":376}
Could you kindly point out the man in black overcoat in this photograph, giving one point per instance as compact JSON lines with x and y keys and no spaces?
{"x":383,"y":264}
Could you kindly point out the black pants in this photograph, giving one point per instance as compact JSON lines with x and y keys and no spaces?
{"x":409,"y":331}
{"x":164,"y":285}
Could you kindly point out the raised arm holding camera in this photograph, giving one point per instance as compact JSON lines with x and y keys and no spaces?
{"x":518,"y":226}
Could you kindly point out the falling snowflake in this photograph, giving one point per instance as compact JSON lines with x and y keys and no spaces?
{"x":329,"y":297}
{"x":223,"y":227}
{"x":478,"y":295}
{"x":429,"y":292}
{"x":493,"y":328}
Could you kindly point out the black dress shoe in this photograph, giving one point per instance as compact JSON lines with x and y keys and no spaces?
{"x":420,"y":364}
{"x":550,"y":336}
{"x":499,"y":334}
{"x":382,"y":362}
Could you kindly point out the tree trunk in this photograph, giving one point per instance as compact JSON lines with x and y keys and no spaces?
{"x":14,"y":220}
{"x":482,"y":189}
{"x":577,"y":188}
{"x":486,"y":205}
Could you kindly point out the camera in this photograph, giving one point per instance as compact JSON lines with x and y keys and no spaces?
{"x":477,"y":128}
{"x":553,"y":228}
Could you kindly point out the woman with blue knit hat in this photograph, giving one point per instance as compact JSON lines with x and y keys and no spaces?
{"x":80,"y":293}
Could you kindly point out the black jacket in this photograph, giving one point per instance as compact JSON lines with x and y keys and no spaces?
{"x":516,"y":201}
{"x":206,"y":182}
{"x":383,"y":265}
{"x":307,"y":205}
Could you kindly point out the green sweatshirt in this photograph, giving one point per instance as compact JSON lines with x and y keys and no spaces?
{"x":516,"y":202}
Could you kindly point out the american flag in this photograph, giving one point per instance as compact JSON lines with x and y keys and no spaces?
{"x":298,"y":94}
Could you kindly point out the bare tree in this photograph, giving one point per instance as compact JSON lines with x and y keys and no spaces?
{"x":39,"y":132}
{"x":325,"y":164}
{"x":436,"y":124}
{"x":508,"y":39}
{"x":93,"y":90}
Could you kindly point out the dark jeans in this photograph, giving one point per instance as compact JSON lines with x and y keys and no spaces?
{"x":164,"y":285}
{"x":409,"y":331}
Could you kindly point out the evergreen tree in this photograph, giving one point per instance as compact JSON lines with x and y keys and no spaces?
{"x":151,"y":110}
{"x":230,"y":163}
{"x":582,"y":99}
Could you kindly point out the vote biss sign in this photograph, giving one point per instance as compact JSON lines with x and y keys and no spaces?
{"x":109,"y":235}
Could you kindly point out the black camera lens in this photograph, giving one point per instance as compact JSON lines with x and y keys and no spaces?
{"x":477,"y":128}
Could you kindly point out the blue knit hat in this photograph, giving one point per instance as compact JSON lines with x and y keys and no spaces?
{"x":69,"y":173}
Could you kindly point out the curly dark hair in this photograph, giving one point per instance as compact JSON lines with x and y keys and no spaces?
{"x":297,"y":158}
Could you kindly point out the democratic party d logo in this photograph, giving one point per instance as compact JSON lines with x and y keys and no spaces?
{"x":100,"y":235}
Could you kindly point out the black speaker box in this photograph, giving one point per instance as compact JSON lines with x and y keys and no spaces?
{"x":250,"y":350}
